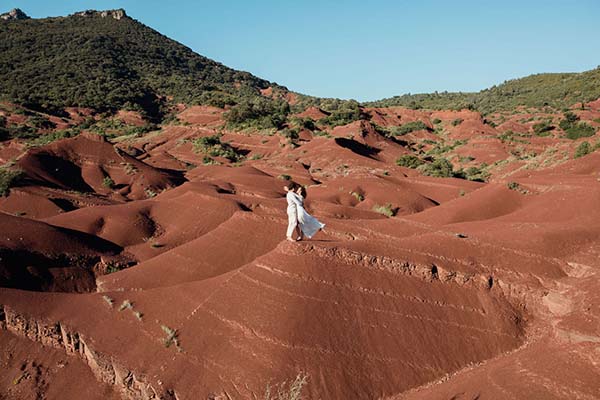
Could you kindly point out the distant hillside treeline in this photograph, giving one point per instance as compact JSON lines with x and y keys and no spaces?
{"x":105,"y":63}
{"x":554,"y":90}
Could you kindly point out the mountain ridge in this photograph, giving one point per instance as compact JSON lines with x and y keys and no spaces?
{"x":88,"y":60}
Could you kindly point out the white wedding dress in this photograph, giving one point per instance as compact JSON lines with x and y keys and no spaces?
{"x":308,"y":224}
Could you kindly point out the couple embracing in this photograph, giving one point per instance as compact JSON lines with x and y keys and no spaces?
{"x":300,"y":223}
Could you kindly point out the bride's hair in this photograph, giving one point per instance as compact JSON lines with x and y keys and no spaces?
{"x":293,"y":186}
{"x":302,"y":191}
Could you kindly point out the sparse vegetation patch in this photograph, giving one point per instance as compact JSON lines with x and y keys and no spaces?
{"x":583,"y":149}
{"x":385,"y":209}
{"x":285,"y":391}
{"x":409,"y":161}
{"x":8,"y":178}
{"x":214,"y":147}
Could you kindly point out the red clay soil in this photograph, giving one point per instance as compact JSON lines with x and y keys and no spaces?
{"x":202,"y":115}
{"x":31,"y":370}
{"x":470,"y":290}
{"x":84,"y":164}
{"x":313,"y":113}
{"x":130,"y":118}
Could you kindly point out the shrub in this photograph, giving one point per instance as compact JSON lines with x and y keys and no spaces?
{"x":408,"y":128}
{"x":583,"y":149}
{"x":290,"y":134}
{"x":457,"y":121}
{"x":304,"y":123}
{"x":108,"y":300}
{"x":490,"y":123}
{"x":285,"y":392}
{"x":126,"y":305}
{"x":357,"y":196}
{"x":477,"y":174}
{"x":130,"y":169}
{"x":580,"y":130}
{"x":213,"y":146}
{"x":112,"y":267}
{"x":8,"y":179}
{"x":346,"y":113}
{"x":20,"y":132}
{"x":386,"y":210}
{"x":172,"y":336}
{"x":441,"y":148}
{"x":43,"y":140}
{"x":108,"y":182}
{"x":513,"y":186}
{"x":543,"y":128}
{"x":260,"y":113}
{"x":569,"y":118}
{"x":409,"y":161}
{"x":207,"y":160}
{"x":437,"y":121}
{"x":439,"y":168}
{"x":41,"y":122}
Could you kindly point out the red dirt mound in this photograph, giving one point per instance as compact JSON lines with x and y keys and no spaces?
{"x":88,"y":163}
{"x":38,"y":256}
{"x":313,"y":113}
{"x":202,"y":115}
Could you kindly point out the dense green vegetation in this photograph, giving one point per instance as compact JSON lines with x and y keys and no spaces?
{"x":341,"y":112}
{"x":258,"y":112}
{"x":105,"y":63}
{"x":44,"y":139}
{"x":213,"y":147}
{"x":8,"y":178}
{"x":439,"y":168}
{"x":408,"y":128}
{"x":555,"y":90}
{"x":477,"y":174}
{"x":575,"y":129}
{"x":409,"y":161}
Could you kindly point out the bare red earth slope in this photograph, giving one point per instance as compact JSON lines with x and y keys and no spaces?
{"x":143,"y":272}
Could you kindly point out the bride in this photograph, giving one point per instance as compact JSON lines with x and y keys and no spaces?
{"x":299,"y":220}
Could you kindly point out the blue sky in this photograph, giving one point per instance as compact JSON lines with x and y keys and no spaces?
{"x":369,"y":50}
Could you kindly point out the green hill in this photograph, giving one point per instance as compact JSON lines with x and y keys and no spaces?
{"x":106,"y":60}
{"x":554,"y":90}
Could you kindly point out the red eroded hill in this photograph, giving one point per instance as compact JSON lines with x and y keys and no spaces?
{"x":431,"y":279}
{"x":88,"y":163}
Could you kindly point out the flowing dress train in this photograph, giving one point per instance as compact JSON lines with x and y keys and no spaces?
{"x":308,"y":224}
